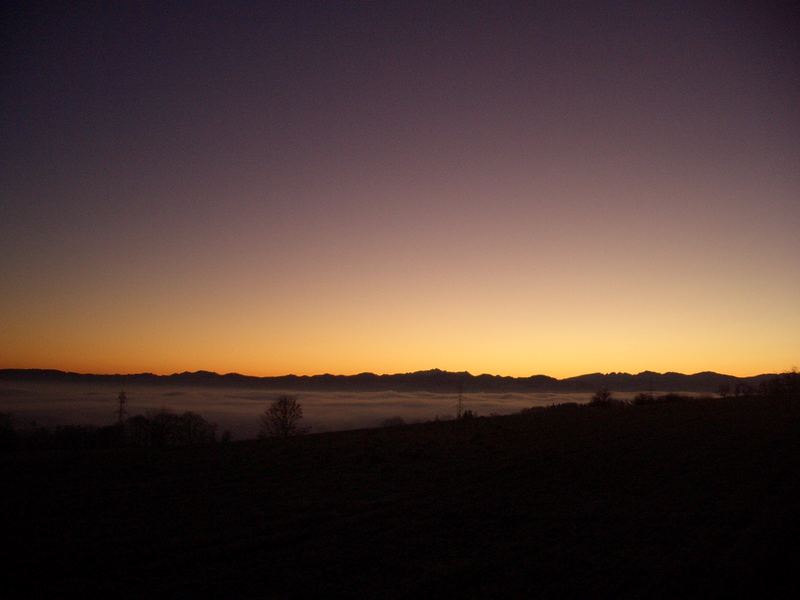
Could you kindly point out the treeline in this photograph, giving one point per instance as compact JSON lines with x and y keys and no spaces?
{"x":162,"y":429}
{"x":165,"y":429}
{"x":785,"y":386}
{"x":780,"y":387}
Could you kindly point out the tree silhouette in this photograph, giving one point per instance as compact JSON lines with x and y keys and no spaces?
{"x":281,"y":418}
{"x":166,"y":429}
{"x":602,"y":397}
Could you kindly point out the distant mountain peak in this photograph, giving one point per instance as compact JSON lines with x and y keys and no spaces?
{"x":435,"y":380}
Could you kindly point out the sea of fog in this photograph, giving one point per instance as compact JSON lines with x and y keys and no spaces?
{"x":238,"y":409}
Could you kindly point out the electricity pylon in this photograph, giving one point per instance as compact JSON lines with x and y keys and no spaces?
{"x":122,"y":409}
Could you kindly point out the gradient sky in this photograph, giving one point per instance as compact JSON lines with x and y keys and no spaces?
{"x":514,"y":188}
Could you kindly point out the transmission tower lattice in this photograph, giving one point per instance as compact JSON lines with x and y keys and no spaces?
{"x":122,"y":409}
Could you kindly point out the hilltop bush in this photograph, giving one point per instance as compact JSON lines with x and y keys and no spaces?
{"x":644,"y":399}
{"x":64,"y":437}
{"x":157,"y":430}
{"x":785,"y":386}
{"x":164,"y":429}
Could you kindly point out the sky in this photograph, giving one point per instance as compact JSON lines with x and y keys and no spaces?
{"x":308,"y":187}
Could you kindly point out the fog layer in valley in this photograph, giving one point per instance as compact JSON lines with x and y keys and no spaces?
{"x":238,"y":409}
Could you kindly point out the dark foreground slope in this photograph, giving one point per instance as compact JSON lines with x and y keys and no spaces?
{"x":692,"y":498}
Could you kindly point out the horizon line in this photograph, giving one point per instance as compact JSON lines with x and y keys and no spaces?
{"x":387,"y":374}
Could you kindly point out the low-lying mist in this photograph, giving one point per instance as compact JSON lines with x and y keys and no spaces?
{"x":238,"y":409}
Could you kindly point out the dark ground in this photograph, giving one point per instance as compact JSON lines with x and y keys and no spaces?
{"x":690,"y":498}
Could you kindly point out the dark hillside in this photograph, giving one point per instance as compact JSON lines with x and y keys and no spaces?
{"x":694,"y":498}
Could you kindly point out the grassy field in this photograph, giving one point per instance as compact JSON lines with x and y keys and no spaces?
{"x":690,"y":498}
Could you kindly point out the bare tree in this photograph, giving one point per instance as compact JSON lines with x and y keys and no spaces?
{"x":602,"y":397}
{"x":281,"y":418}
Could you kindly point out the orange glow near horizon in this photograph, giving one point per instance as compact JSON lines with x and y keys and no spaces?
{"x":513,"y":190}
{"x":564,"y":323}
{"x":531,"y":302}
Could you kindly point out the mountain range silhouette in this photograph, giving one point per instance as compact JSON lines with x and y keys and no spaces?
{"x":433,"y":380}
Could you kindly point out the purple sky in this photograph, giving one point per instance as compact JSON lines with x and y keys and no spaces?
{"x":527,"y":187}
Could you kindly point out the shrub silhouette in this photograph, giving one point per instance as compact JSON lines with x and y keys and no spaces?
{"x":158,"y":429}
{"x":63,"y":437}
{"x":194,"y":430}
{"x":643,"y":399}
{"x":673,"y":397}
{"x":785,"y":386}
{"x":393,"y":422}
{"x":602,"y":397}
{"x":166,"y":429}
{"x":281,"y":418}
